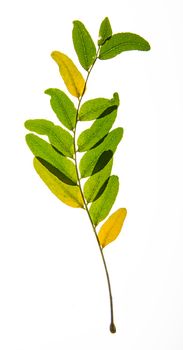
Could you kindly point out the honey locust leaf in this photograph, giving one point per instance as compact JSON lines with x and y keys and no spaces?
{"x":95,"y":108}
{"x":58,"y":137}
{"x":112,"y":227}
{"x":93,"y":185}
{"x":42,"y":149}
{"x":105,"y":31}
{"x":102,"y":206}
{"x":68,"y":194}
{"x":91,"y":161}
{"x":121,"y":42}
{"x":97,"y":131}
{"x":63,"y":107}
{"x":83,"y":44}
{"x":71,"y":76}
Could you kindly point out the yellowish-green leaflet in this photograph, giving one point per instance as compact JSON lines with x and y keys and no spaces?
{"x":40,"y":126}
{"x":93,"y":187}
{"x":91,"y":162}
{"x":97,"y":107}
{"x":102,"y":206}
{"x":42,"y":149}
{"x":58,"y":137}
{"x":63,"y":107}
{"x":100,"y":128}
{"x":68,"y":194}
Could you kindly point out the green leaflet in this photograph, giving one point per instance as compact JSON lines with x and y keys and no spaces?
{"x":94,"y":108}
{"x":40,"y":126}
{"x":42,"y":149}
{"x":122,"y":42}
{"x":63,"y":107}
{"x":105,"y":31}
{"x":62,"y":141}
{"x":94,"y":184}
{"x":97,"y":131}
{"x":58,"y":137}
{"x":93,"y":161}
{"x":102,"y":206}
{"x":83,"y":44}
{"x":68,"y":194}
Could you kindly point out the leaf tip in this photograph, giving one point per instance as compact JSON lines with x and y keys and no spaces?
{"x":53,"y":54}
{"x":75,"y":21}
{"x":47,"y":92}
{"x":26,"y":124}
{"x":56,"y":56}
{"x":116,"y":98}
{"x":148,"y":46}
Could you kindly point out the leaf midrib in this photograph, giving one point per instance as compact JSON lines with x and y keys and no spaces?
{"x":122,"y":44}
{"x":84,"y":47}
{"x":71,"y":77}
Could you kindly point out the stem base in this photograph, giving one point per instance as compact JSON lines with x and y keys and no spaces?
{"x":112,"y":328}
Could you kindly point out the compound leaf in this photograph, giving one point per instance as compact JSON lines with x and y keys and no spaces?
{"x":105,"y":31}
{"x":97,"y":131}
{"x":68,"y":194}
{"x":94,"y":108}
{"x":42,"y":149}
{"x":102,"y":206}
{"x":71,"y":76}
{"x":63,"y":107}
{"x":121,"y":42}
{"x":91,"y":161}
{"x":112,"y":227}
{"x":93,"y":186}
{"x":83,"y":44}
{"x":58,"y":137}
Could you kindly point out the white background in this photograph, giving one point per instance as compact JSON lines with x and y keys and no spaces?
{"x":53,"y":292}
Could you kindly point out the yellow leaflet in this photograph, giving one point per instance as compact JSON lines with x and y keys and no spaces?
{"x":73,"y":79}
{"x":68,"y":194}
{"x":112,"y":227}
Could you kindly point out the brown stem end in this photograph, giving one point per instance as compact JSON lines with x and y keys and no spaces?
{"x":112,"y":328}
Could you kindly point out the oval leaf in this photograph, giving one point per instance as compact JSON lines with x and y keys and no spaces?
{"x":40,"y":126}
{"x":42,"y":149}
{"x":62,"y":141}
{"x":71,"y":76}
{"x":69,"y":195}
{"x":93,"y":186}
{"x":83,"y":44}
{"x":91,"y":161}
{"x":112,"y":227}
{"x":102,"y":206}
{"x":122,"y":42}
{"x":63,"y":107}
{"x":58,"y":137}
{"x":97,"y":131}
{"x":105,"y":31}
{"x":94,"y":108}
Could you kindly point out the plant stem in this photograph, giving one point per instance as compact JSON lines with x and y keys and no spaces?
{"x":112,"y":325}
